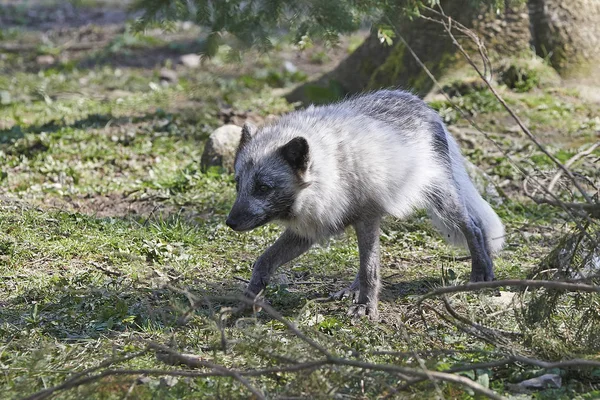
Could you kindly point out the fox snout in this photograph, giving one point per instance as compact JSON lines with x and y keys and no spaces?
{"x":235,"y":223}
{"x":241,"y":218}
{"x":235,"y":218}
{"x":232,"y":223}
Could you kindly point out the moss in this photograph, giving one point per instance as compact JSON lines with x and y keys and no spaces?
{"x":400,"y":69}
{"x":391,"y":70}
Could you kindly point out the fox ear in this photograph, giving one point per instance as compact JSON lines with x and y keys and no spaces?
{"x":295,"y":152}
{"x":248,"y":130}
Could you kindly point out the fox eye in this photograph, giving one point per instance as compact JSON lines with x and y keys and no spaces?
{"x":264,"y":188}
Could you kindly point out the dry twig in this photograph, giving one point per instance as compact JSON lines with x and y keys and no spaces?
{"x":474,"y":286}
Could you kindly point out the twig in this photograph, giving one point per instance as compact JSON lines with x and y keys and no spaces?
{"x":592,"y":209}
{"x":193,"y":361}
{"x":239,"y":278}
{"x":484,"y":329}
{"x":106,"y":270}
{"x":474,"y":286}
{"x":462,"y":368}
{"x":570,"y":162}
{"x":68,"y":384}
{"x":434,"y":352}
{"x":435,"y":375}
{"x":469,"y":330}
{"x":160,"y":372}
{"x":576,"y":362}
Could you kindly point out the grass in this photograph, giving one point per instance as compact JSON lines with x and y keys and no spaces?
{"x":106,"y":221}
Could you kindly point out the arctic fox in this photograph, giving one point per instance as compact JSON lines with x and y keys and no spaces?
{"x":322,"y":169}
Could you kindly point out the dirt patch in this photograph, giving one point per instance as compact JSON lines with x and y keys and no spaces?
{"x":117,"y":205}
{"x":45,"y":15}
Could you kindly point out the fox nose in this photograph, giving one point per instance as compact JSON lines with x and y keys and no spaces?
{"x":231,"y":223}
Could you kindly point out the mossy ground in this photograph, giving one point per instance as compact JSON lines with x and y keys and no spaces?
{"x":106,"y":221}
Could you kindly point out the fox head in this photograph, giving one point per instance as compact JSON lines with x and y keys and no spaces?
{"x":268,"y":179}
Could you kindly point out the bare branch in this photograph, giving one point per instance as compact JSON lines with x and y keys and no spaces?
{"x":474,"y":286}
{"x":435,"y":375}
{"x":572,"y":161}
{"x":76,"y":377}
{"x":593,"y":210}
{"x":576,"y":362}
{"x":193,"y":361}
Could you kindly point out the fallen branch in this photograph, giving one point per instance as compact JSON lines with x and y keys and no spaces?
{"x":71,"y":384}
{"x":593,"y":210}
{"x":481,"y":328}
{"x":474,"y":286}
{"x":73,"y":381}
{"x":166,"y":354}
{"x":576,"y":362}
{"x":572,"y":161}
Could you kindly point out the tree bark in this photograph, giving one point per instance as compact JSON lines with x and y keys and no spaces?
{"x":374,"y":65}
{"x":567,"y":32}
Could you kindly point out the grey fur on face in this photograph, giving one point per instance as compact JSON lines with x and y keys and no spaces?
{"x":320,"y":170}
{"x":267,"y":186}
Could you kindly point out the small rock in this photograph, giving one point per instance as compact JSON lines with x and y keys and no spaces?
{"x":220,"y":148}
{"x":45,"y":60}
{"x":290,"y":67}
{"x":190,"y":60}
{"x":5,"y":97}
{"x":144,"y":380}
{"x":503,"y":300}
{"x":168,"y":75}
{"x":546,"y":381}
{"x":168,"y":381}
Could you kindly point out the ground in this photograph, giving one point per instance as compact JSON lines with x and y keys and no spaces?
{"x":109,"y":230}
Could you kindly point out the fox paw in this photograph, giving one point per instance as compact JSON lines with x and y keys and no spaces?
{"x":350,"y":292}
{"x":364,"y":310}
{"x":482,"y":276}
{"x":346,"y":293}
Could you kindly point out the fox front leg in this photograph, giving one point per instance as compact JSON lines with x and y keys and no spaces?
{"x":286,"y":248}
{"x":367,"y":233}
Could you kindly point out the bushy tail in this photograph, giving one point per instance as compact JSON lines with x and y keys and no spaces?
{"x":477,"y":207}
{"x":491,"y":224}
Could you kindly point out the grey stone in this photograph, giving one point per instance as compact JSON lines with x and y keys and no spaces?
{"x":190,"y":60}
{"x":220,"y":148}
{"x":168,"y":381}
{"x":45,"y":60}
{"x":168,"y":75}
{"x":546,"y":381}
{"x":290,"y":67}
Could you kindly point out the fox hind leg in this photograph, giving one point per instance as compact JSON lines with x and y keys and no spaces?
{"x":450,"y":214}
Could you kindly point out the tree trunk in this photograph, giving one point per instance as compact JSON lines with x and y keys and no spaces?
{"x":567,"y":32}
{"x":374,"y":65}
